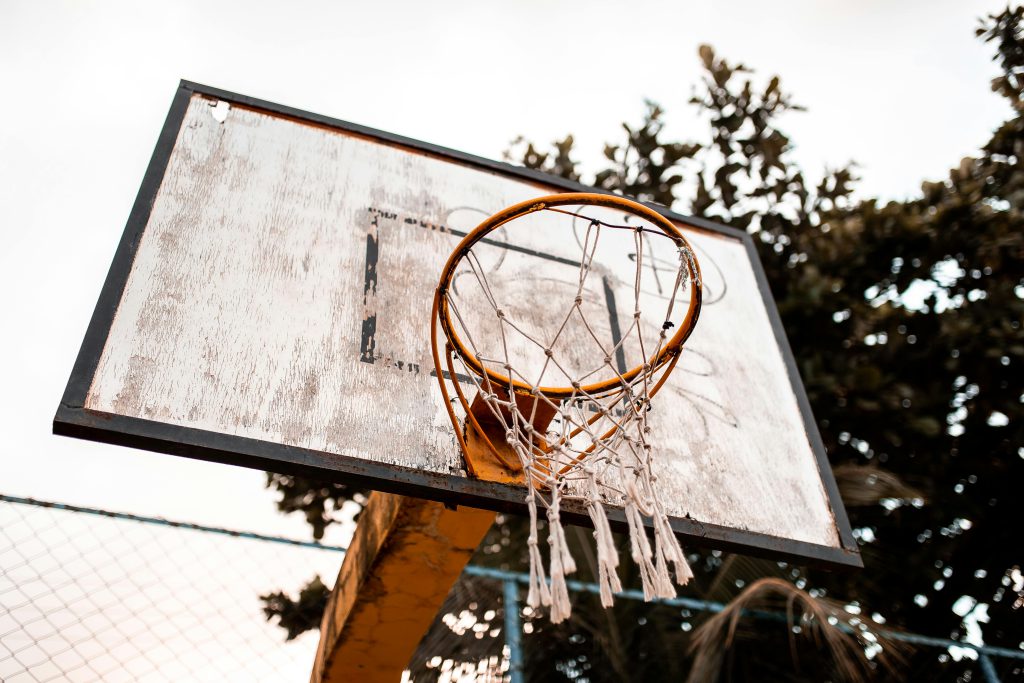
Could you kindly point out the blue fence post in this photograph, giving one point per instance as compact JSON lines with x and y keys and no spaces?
{"x":988,"y":668}
{"x":513,"y":631}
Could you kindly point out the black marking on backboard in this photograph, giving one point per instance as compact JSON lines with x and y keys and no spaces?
{"x":367,"y":342}
{"x":368,"y":352}
{"x":427,"y":225}
{"x":613,"y":321}
{"x":463,"y":379}
{"x":523,"y":250}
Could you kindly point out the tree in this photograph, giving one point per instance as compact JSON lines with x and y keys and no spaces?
{"x":905,"y":318}
{"x":318,"y":501}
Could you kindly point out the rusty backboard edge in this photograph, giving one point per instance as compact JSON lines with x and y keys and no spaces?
{"x":455,"y":489}
{"x":72,"y":420}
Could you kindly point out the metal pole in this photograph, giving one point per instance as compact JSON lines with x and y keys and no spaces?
{"x":513,"y":632}
{"x":988,"y":668}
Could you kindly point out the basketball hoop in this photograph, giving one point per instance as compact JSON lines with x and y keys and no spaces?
{"x":562,"y":407}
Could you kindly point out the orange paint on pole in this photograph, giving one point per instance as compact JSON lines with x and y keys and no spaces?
{"x":403,"y":560}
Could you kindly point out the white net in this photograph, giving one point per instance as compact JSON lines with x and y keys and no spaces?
{"x":565,"y":323}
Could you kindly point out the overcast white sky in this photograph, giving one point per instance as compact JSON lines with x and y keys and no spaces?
{"x":900,"y":87}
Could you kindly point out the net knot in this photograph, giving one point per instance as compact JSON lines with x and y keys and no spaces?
{"x":647,"y":367}
{"x":548,"y":353}
{"x":608,"y":360}
{"x":575,"y":385}
{"x":578,"y":300}
{"x":510,"y":436}
{"x":500,"y":313}
{"x":636,"y":314}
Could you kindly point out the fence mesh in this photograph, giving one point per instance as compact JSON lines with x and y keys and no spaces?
{"x":93,"y":598}
{"x":88,"y":595}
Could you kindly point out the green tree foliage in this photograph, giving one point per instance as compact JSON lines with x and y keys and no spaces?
{"x":905,"y":320}
{"x":318,"y":501}
{"x":297,"y":616}
{"x":557,"y":161}
{"x":645,"y":167}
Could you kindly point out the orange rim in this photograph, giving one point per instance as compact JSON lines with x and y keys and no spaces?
{"x":669,"y":351}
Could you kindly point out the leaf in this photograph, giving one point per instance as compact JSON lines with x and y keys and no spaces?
{"x":863,"y":485}
{"x":707,"y":55}
{"x":822,"y":622}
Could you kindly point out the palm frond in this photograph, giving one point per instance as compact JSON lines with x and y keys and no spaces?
{"x":823,"y":622}
{"x":863,"y":485}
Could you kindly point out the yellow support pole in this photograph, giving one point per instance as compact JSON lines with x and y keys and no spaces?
{"x":403,"y":560}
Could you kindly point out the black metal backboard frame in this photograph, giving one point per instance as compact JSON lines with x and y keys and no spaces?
{"x":72,"y":419}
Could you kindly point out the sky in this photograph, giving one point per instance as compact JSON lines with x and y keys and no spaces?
{"x":899,"y":87}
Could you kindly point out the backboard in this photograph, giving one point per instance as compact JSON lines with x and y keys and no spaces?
{"x":269,"y":307}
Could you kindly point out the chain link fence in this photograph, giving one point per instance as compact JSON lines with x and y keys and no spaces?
{"x":90,"y":596}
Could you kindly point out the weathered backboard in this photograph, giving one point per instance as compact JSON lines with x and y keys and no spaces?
{"x":269,"y":307}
